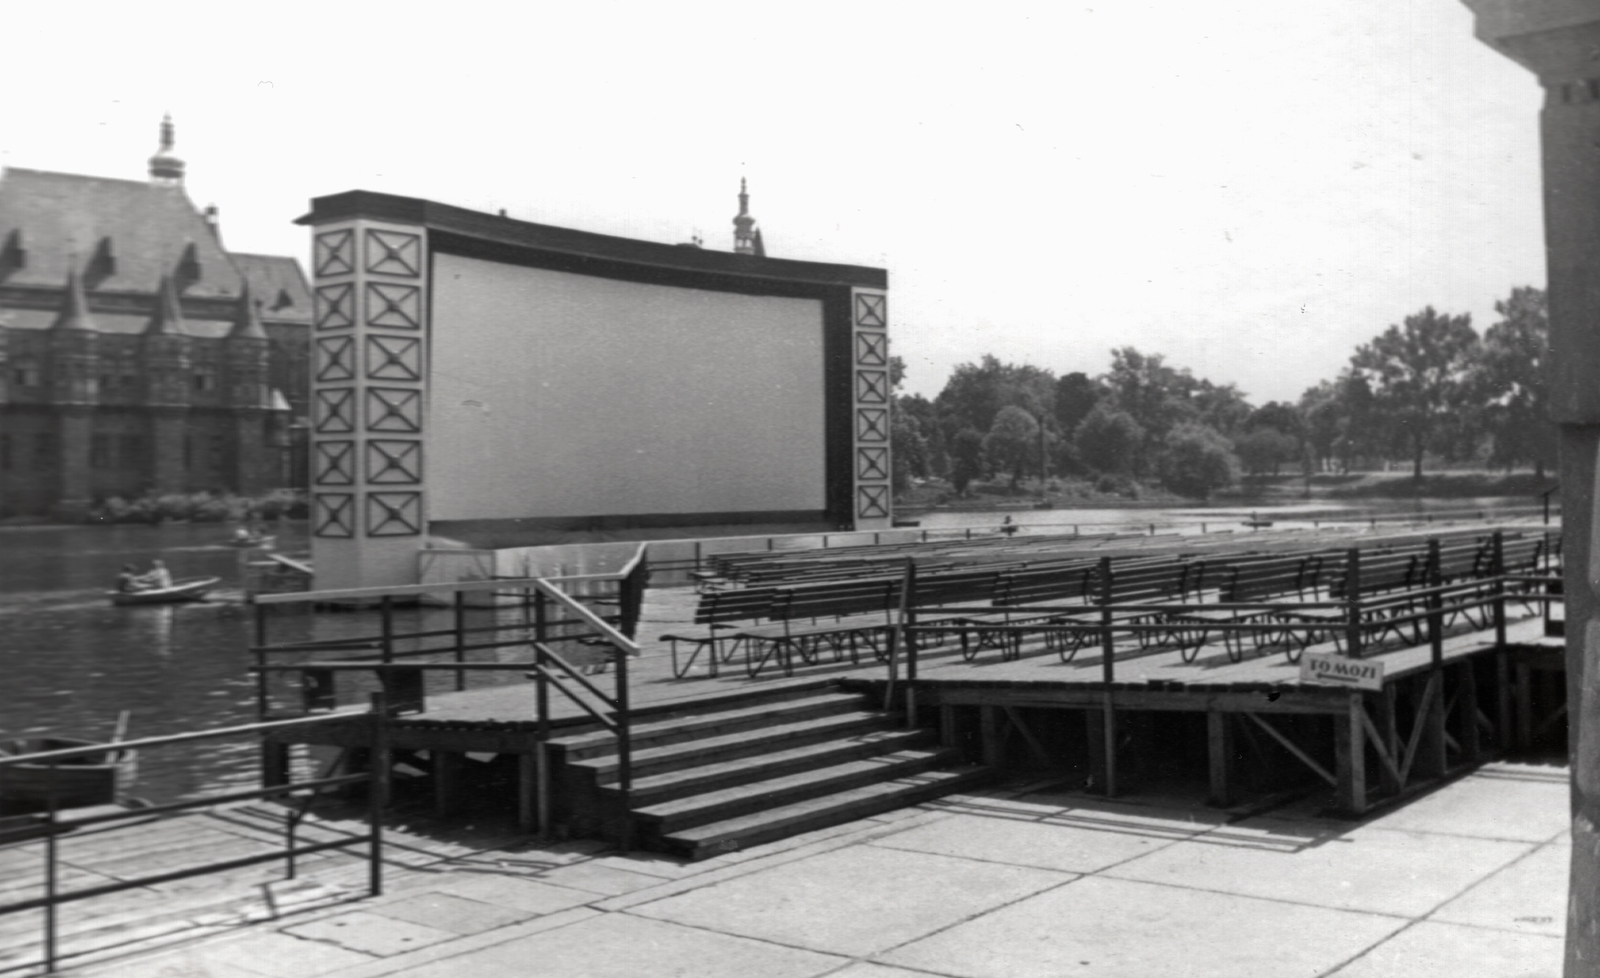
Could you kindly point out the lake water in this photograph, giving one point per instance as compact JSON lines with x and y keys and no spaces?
{"x":69,"y":660}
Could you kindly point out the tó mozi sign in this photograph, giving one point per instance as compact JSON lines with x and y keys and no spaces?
{"x":1330,"y":668}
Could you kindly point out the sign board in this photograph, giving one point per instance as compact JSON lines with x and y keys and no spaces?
{"x":1332,"y":669}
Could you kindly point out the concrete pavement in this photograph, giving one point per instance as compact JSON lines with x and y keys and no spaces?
{"x":1025,"y":880}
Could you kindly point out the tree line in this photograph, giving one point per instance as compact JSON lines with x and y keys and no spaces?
{"x":1429,"y":387}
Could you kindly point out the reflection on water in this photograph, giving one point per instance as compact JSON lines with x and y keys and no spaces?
{"x":71,"y":660}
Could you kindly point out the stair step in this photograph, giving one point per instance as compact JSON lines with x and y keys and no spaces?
{"x":702,"y":721}
{"x":744,"y":831}
{"x":770,"y":793}
{"x":670,"y":785}
{"x":743,"y":743}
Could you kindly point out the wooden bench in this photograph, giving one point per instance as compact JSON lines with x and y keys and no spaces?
{"x":839,"y":615}
{"x":716,"y":614}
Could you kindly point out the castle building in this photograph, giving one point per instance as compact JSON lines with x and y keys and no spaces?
{"x":137,"y":353}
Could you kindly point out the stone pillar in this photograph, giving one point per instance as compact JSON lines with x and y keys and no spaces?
{"x":1557,"y":40}
{"x":874,"y":492}
{"x":368,"y":390}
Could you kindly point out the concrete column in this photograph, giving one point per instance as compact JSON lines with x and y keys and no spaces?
{"x":1557,"y":41}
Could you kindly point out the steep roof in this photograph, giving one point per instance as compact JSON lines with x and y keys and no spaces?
{"x":273,"y":279}
{"x":62,"y":214}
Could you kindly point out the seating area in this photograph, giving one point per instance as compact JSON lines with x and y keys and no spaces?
{"x":784,"y":611}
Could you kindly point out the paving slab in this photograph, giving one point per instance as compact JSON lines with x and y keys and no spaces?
{"x":866,"y":969}
{"x":621,"y":945}
{"x":1364,"y":868}
{"x":1430,"y":950}
{"x":1501,"y":801}
{"x":272,"y":954}
{"x":1053,"y":844}
{"x":1112,"y":928}
{"x":370,"y":932}
{"x":598,"y":878}
{"x":513,"y":892}
{"x":1530,"y":895}
{"x":853,"y":901}
{"x":450,"y":912}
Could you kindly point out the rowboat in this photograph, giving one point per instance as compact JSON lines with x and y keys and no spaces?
{"x":184,"y":589}
{"x":264,"y":541}
{"x":93,"y":779}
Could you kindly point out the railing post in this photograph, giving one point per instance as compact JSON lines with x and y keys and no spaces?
{"x":1435,"y":605}
{"x":1498,"y":570}
{"x":624,"y":749}
{"x":1108,"y":640}
{"x":377,"y":791}
{"x":542,"y":760}
{"x":1352,"y":597}
{"x":386,"y":608}
{"x":50,"y":882}
{"x":461,"y":637}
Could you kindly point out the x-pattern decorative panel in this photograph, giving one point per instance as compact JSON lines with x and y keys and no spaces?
{"x":336,"y":463}
{"x":872,"y":502}
{"x":335,"y":515}
{"x":872,"y":349}
{"x":335,"y":306}
{"x":394,"y":358}
{"x":396,"y":306}
{"x":394,"y":514}
{"x":872,"y":310}
{"x":335,"y":254}
{"x":394,"y":409}
{"x":336,"y":411}
{"x":872,"y":463}
{"x":336,"y":358}
{"x":872,"y":386}
{"x":394,"y":253}
{"x":872,"y":424}
{"x":394,"y":462}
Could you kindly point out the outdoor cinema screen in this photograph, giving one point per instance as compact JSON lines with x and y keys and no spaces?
{"x":555,"y":394}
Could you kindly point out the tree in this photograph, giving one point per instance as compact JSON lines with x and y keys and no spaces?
{"x":1109,"y":440}
{"x":1417,"y":374}
{"x":1509,"y":382}
{"x":1076,"y":396}
{"x":1198,"y":460}
{"x":1013,"y":442}
{"x":1263,"y":450}
{"x":966,"y":459}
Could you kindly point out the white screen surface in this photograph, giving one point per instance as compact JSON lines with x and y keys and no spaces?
{"x":553,"y":394}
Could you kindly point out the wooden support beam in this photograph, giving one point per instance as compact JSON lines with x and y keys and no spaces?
{"x":1094,"y":735}
{"x":446,"y":782}
{"x":528,"y":795}
{"x":1034,"y":744}
{"x":1389,"y":771}
{"x":947,"y":726}
{"x":990,"y":733}
{"x":1502,"y":684}
{"x":1294,"y":749}
{"x":1219,"y":748}
{"x":1387,"y":738}
{"x":1350,"y":756}
{"x":1524,"y":694}
{"x":1471,"y":742}
{"x":1431,"y":760}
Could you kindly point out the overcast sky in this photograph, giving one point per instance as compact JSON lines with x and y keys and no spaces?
{"x":1250,"y":188}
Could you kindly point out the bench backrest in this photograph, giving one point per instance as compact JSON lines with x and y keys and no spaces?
{"x":735,"y":604}
{"x":838,"y":599}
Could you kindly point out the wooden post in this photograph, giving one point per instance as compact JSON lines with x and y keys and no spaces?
{"x":528,"y":794}
{"x":1108,"y":638}
{"x":947,"y":726}
{"x":1430,"y":761}
{"x":1435,"y":604}
{"x":1502,"y":685}
{"x":1388,"y":783}
{"x":1352,"y":597}
{"x":1349,"y":748}
{"x":1219,"y":747}
{"x":1094,"y":732}
{"x":1524,"y":694}
{"x":1498,"y":569}
{"x":989,"y":723}
{"x":446,"y":782}
{"x":1467,"y":710}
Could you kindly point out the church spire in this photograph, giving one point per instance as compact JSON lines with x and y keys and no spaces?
{"x":74,"y":312}
{"x":746,"y":239}
{"x":166,"y":169}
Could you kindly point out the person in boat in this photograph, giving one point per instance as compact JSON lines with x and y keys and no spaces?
{"x":158,"y":576}
{"x":1008,"y":527}
{"x":129,"y":580}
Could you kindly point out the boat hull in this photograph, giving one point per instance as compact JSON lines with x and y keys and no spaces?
{"x":190,"y":589}
{"x":96,"y":779}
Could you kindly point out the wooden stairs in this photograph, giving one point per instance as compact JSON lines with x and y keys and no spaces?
{"x":732,"y":771}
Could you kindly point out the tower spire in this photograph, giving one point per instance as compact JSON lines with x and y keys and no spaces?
{"x":168,"y":318}
{"x":74,"y":312}
{"x":744,"y":233}
{"x":166,"y":169}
